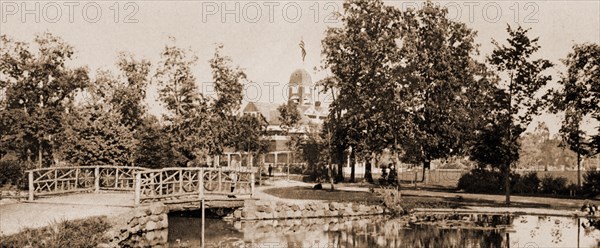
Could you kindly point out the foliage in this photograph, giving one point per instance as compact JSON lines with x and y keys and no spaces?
{"x":480,"y":181}
{"x":591,"y":183}
{"x":127,"y":97}
{"x":579,"y":96}
{"x":154,"y":148}
{"x":553,"y":185}
{"x":445,"y":84}
{"x":11,"y":172}
{"x":228,"y":83}
{"x":289,"y":116}
{"x":313,"y":151}
{"x":38,"y":88}
{"x":361,"y":55}
{"x":94,"y":136}
{"x":242,"y":133}
{"x":515,"y":101}
{"x":249,"y":134}
{"x":78,"y":233}
{"x":526,"y":184}
{"x":188,"y":114}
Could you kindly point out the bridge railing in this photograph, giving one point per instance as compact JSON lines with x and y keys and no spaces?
{"x":60,"y":180}
{"x":171,"y":184}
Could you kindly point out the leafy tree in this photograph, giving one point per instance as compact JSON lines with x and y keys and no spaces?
{"x":446,"y":88}
{"x":361,"y":54}
{"x":96,"y":132}
{"x":95,"y":136}
{"x":250,"y":135}
{"x":579,"y":98}
{"x":38,"y":88}
{"x":289,"y":116}
{"x":128,"y":96}
{"x":516,"y":100}
{"x":228,"y":82}
{"x":313,"y":151}
{"x":154,"y":148}
{"x":188,"y":114}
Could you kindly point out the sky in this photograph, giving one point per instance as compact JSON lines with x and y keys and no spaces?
{"x":263,"y":37}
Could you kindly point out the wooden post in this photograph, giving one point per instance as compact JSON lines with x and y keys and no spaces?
{"x":203,"y":217}
{"x":55,"y":180}
{"x":138,"y":187}
{"x":31,"y":186}
{"x":181,"y":181}
{"x":116,"y":178}
{"x":220,"y":179}
{"x":97,"y":179}
{"x":160,"y":183}
{"x":77,"y":178}
{"x":252,"y":184}
{"x":201,"y":184}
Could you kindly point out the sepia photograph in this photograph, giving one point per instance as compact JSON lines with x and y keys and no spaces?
{"x":300,"y":123}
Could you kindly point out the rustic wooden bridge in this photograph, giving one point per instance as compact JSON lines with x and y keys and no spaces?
{"x":167,"y":185}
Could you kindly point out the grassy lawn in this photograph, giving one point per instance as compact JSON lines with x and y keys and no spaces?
{"x":305,"y":193}
{"x":408,"y":202}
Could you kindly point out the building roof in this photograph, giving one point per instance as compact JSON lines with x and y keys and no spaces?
{"x":271,"y":114}
{"x":266,"y":109}
{"x":300,"y":77}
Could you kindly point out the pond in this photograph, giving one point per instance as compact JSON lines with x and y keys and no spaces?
{"x":383,"y":231}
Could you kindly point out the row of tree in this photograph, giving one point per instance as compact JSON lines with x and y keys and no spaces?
{"x":409,"y":82}
{"x":51,"y":112}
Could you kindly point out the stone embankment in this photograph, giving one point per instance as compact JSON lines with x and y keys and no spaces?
{"x":265,"y":210}
{"x":144,"y":226}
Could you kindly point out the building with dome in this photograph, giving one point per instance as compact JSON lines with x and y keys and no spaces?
{"x":301,"y":90}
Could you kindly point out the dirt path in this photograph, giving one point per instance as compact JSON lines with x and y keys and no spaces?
{"x":44,"y":211}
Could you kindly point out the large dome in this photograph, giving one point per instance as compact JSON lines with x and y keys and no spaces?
{"x":300,"y":77}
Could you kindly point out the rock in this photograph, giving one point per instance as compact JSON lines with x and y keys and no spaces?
{"x":164,"y":223}
{"x":157,"y":208}
{"x":333,"y":206}
{"x":355,"y":207}
{"x":295,"y":207}
{"x":151,"y":225}
{"x":237,"y":214}
{"x":133,"y":221}
{"x":139,"y":212}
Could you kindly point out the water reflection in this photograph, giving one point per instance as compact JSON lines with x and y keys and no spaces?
{"x":381,"y":231}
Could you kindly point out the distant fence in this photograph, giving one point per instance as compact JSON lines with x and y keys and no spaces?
{"x":148,"y":185}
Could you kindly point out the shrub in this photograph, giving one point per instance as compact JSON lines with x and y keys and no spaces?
{"x":527,"y":184}
{"x":481,"y":181}
{"x":591,"y":183}
{"x":554,"y":185}
{"x":10,"y":172}
{"x":78,"y":233}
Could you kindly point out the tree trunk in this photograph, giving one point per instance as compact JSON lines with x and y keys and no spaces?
{"x":331,"y":174}
{"x":353,"y":165}
{"x":40,"y":155}
{"x":368,"y":175}
{"x":340,"y":166}
{"x":578,"y":171}
{"x":507,"y":183}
